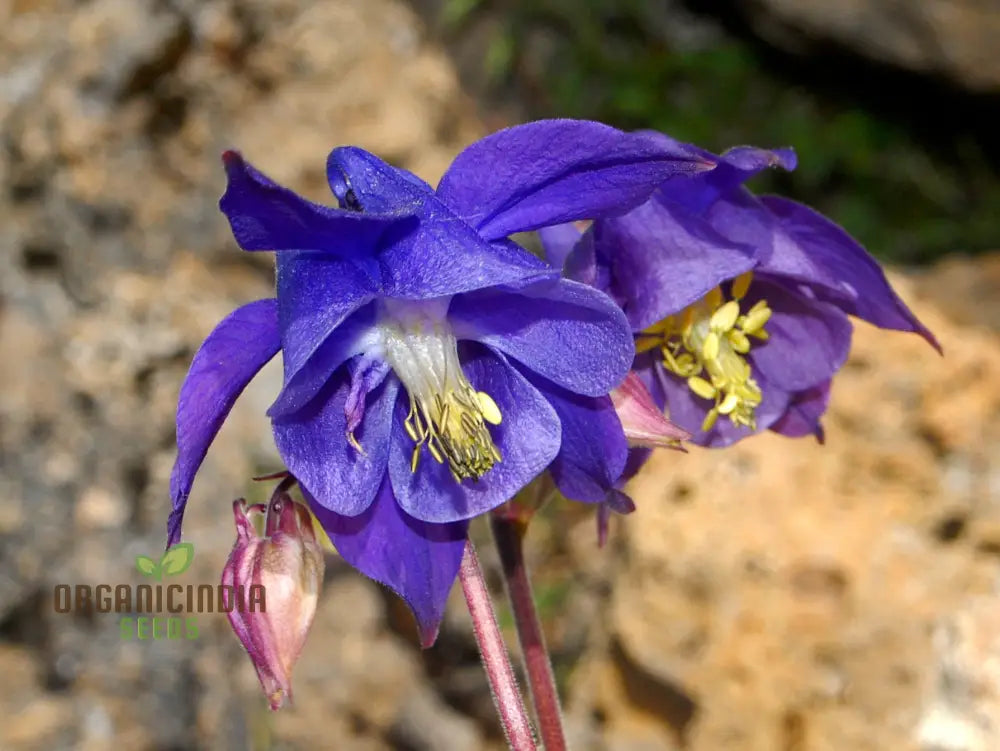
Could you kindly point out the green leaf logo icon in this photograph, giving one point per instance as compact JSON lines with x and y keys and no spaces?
{"x":177,"y":559}
{"x":147,"y":566}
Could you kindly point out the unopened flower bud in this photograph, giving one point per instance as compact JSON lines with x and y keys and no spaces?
{"x":642,"y":421}
{"x":274,"y":572}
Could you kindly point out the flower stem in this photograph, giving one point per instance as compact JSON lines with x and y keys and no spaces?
{"x":496,"y":660}
{"x":508,"y":531}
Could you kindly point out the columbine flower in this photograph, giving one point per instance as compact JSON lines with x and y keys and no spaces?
{"x":276,"y":550}
{"x":739,"y":303}
{"x":432,"y":367}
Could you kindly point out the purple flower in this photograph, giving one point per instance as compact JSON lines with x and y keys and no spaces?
{"x":739,"y":303}
{"x":432,"y":367}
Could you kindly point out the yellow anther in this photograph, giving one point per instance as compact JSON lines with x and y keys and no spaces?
{"x":725,"y":317}
{"x":707,"y":344}
{"x":489,"y":408}
{"x":687,"y":363}
{"x":683,"y":365}
{"x":410,"y":431}
{"x":435,"y":452}
{"x":701,"y":387}
{"x":740,"y":285}
{"x":687,"y":318}
{"x":755,"y":319}
{"x":739,"y":341}
{"x":710,"y":347}
{"x":646,"y":343}
{"x":709,"y":422}
{"x":729,"y":403}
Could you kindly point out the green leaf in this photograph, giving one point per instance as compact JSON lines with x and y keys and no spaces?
{"x":147,"y":566}
{"x":177,"y":559}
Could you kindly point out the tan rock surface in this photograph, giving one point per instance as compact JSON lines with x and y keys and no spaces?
{"x":963,"y":711}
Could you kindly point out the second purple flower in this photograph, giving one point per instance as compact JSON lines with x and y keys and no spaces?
{"x":739,"y":303}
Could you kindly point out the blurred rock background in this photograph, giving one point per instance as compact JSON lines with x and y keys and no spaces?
{"x":780,"y":595}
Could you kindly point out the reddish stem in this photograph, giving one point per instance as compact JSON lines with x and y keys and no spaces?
{"x":508,"y":532}
{"x":496,"y":660}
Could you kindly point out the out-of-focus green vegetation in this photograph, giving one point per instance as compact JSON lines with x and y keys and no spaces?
{"x":903,"y":164}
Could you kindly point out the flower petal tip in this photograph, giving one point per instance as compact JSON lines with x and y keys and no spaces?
{"x":232,"y":159}
{"x":619,"y":502}
{"x":931,"y":339}
{"x":786,"y":158}
{"x":428,"y":634}
{"x":279,"y":698}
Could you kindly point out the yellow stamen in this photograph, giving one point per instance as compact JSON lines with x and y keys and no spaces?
{"x":729,"y":404}
{"x":453,"y":427}
{"x":701,"y":387}
{"x":756,"y":318}
{"x":646,"y":343}
{"x":447,"y":415}
{"x":739,"y":341}
{"x":706,"y":344}
{"x":710,"y":347}
{"x":725,"y":317}
{"x":489,"y":408}
{"x":709,"y":422}
{"x":741,"y":284}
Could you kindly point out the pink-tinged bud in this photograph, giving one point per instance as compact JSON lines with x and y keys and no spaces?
{"x":275,"y":572}
{"x":642,"y":420}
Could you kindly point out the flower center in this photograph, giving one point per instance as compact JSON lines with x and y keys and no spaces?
{"x":446,"y":413}
{"x":707,"y":344}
